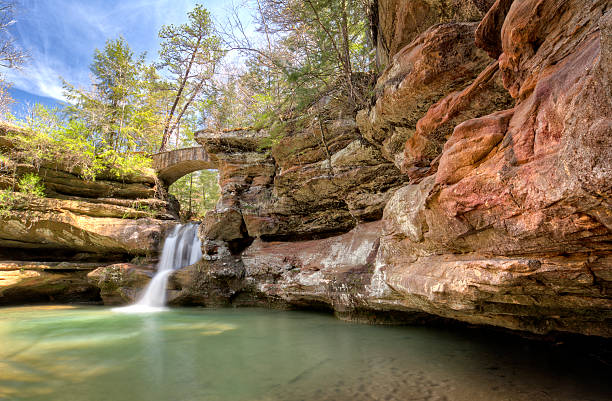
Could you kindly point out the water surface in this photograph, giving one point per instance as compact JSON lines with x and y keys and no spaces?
{"x":89,"y":354}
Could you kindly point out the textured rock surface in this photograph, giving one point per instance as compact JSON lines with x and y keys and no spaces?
{"x":108,"y":220}
{"x":47,"y":225}
{"x":398,"y":22}
{"x":120,"y":283}
{"x":506,"y":218}
{"x":321,"y":178}
{"x":36,"y":282}
{"x":500,"y":214}
{"x":488,"y":33}
{"x":442,"y":60}
{"x":483,"y":96}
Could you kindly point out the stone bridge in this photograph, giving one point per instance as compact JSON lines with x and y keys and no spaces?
{"x":174,"y":164}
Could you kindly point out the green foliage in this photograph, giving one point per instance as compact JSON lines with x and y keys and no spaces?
{"x":308,"y":50}
{"x":4,"y":161}
{"x":197,"y":193}
{"x":275,"y":134}
{"x":7,"y":197}
{"x":31,"y":185}
{"x":48,"y":139}
{"x":123,"y":109}
{"x":189,"y":54}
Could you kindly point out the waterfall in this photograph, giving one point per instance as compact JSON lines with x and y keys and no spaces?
{"x":181,"y":248}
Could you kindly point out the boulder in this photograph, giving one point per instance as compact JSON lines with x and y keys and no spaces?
{"x":121,"y":283}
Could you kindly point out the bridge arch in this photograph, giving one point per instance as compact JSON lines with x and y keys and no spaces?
{"x":174,"y":164}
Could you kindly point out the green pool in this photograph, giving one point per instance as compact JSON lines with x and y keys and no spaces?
{"x":75,"y":353}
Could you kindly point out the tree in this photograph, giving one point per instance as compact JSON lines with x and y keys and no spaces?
{"x":189,"y":54}
{"x":121,"y":109}
{"x":306,"y":49}
{"x":197,"y":192}
{"x":10,"y":55}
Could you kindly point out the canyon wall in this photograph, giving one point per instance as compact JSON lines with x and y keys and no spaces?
{"x":477,"y":187}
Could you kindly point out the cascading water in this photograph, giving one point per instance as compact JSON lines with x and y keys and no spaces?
{"x":181,"y":248}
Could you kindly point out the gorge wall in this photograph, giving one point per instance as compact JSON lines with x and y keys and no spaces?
{"x":477,"y":187}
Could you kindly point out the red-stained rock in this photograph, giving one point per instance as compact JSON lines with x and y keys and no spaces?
{"x":488,"y":33}
{"x":398,"y":22}
{"x":537,"y":35}
{"x":418,"y":77}
{"x":470,"y":144}
{"x":539,"y":295}
{"x":507,"y":220}
{"x":483,"y":96}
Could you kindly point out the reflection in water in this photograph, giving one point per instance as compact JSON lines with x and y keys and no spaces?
{"x":250,"y":354}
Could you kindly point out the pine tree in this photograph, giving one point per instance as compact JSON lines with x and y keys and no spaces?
{"x":189,"y":54}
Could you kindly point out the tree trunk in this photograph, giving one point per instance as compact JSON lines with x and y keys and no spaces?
{"x":168,"y":123}
{"x":346,"y":53}
{"x":190,"y":189}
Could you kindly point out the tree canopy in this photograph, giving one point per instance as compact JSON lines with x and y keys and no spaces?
{"x":228,"y":74}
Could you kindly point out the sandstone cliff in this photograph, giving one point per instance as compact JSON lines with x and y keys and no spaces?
{"x":477,"y":187}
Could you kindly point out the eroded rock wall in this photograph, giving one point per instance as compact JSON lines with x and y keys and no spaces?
{"x":477,"y":187}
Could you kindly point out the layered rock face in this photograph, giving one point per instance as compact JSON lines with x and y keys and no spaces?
{"x":399,"y":22}
{"x":477,"y":187}
{"x":34,"y":282}
{"x":93,"y":223}
{"x":321,"y":178}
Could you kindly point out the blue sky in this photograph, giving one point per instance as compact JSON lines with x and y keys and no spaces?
{"x":61,"y":35}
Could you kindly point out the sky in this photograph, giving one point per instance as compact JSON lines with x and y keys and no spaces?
{"x":61,"y":36}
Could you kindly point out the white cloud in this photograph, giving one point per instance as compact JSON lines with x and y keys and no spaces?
{"x":61,"y":35}
{"x":39,"y":79}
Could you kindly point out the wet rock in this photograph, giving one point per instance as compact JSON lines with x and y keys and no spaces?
{"x":120,"y":284}
{"x":210,"y":283}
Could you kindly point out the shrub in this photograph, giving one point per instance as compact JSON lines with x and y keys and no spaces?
{"x":31,"y":185}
